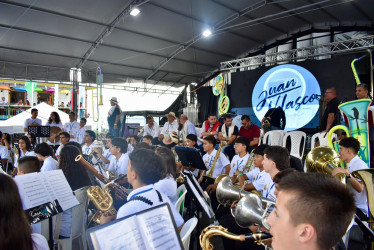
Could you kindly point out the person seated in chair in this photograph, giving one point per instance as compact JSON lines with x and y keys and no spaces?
{"x":227,"y":133}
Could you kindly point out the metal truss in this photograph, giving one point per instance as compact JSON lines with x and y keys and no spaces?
{"x":138,"y":89}
{"x":312,"y":52}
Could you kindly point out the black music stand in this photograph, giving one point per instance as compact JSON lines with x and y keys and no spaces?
{"x":190,"y":157}
{"x":40,"y":131}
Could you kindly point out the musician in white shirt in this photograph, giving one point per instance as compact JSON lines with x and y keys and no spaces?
{"x":33,"y":121}
{"x":241,"y":158}
{"x":72,"y":127}
{"x":169,"y":127}
{"x":119,"y":163}
{"x":81,"y":131}
{"x":222,"y":165}
{"x":89,"y":138}
{"x":64,"y":138}
{"x":23,"y":150}
{"x":107,"y":156}
{"x":144,"y":170}
{"x":44,"y":153}
{"x":151,"y":128}
{"x":54,"y":121}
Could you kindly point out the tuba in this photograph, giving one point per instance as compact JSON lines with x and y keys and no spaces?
{"x":211,"y":231}
{"x":323,"y":160}
{"x":357,"y":114}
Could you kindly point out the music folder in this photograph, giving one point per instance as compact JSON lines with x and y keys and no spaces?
{"x":190,"y":157}
{"x":153,"y":228}
{"x":45,"y":194}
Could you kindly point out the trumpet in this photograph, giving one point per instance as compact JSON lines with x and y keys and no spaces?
{"x":211,"y":231}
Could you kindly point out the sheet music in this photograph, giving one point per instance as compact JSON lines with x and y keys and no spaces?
{"x":124,"y":234}
{"x":208,"y":210}
{"x":32,"y":191}
{"x":204,"y":194}
{"x":39,"y":188}
{"x":56,"y":183}
{"x":158,"y":229}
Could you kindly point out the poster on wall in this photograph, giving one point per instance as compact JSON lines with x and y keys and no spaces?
{"x":291,"y":87}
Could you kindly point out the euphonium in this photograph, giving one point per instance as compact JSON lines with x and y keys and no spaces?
{"x":357,"y":113}
{"x":323,"y":160}
{"x":211,"y":231}
{"x":252,"y":209}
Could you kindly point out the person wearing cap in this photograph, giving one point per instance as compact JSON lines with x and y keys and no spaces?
{"x":114,"y":117}
{"x":170,"y":127}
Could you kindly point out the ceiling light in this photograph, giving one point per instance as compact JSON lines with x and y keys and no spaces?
{"x":135,"y":12}
{"x":193,"y":83}
{"x":207,"y":33}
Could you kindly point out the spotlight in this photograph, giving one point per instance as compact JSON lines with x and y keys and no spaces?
{"x":207,"y":32}
{"x":193,"y":83}
{"x":135,"y":12}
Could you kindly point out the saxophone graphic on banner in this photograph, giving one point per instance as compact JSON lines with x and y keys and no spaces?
{"x":357,"y":114}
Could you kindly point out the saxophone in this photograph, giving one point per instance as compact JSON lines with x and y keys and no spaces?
{"x":101,"y":197}
{"x":211,"y":231}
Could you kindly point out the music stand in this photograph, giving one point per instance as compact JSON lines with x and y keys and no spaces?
{"x":190,"y":157}
{"x":40,"y":131}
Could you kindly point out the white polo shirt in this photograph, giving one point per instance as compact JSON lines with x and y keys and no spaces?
{"x":28,"y":153}
{"x":149,"y":193}
{"x":269,"y":189}
{"x":253,"y":174}
{"x":108,"y":156}
{"x":238,"y":163}
{"x":169,"y":128}
{"x":49,"y":164}
{"x":119,"y":166}
{"x":261,"y":180}
{"x":72,"y":128}
{"x":4,"y":152}
{"x":154,"y":131}
{"x":30,"y":120}
{"x":360,"y":198}
{"x":80,"y":135}
{"x":168,"y":186}
{"x":222,"y":161}
{"x":87,"y":149}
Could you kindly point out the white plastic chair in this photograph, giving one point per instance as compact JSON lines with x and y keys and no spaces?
{"x":321,"y":138}
{"x":274,"y":138}
{"x":79,"y":223}
{"x":298,"y":139}
{"x":182,"y":197}
{"x":186,"y":231}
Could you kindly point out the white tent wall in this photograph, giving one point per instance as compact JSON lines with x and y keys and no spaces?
{"x":15,"y":124}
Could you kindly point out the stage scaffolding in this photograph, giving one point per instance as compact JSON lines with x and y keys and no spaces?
{"x":312,"y":52}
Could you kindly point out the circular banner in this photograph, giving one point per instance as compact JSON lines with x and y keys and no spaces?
{"x":218,"y":85}
{"x":291,"y":87}
{"x":224,"y":104}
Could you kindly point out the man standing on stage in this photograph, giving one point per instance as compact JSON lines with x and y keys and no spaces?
{"x":114,"y":115}
{"x":228,"y":132}
{"x":329,"y":118}
{"x":72,"y":127}
{"x":33,"y":121}
{"x":251,"y":131}
{"x":188,"y":128}
{"x":210,"y":127}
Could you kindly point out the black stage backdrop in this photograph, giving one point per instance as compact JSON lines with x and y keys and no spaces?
{"x":335,"y":72}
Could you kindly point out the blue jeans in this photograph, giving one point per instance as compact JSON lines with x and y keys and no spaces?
{"x":113,"y":131}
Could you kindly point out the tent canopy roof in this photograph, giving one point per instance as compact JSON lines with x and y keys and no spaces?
{"x":163,"y":44}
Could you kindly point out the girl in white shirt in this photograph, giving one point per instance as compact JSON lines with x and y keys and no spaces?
{"x":14,"y":227}
{"x":24,"y":149}
{"x":167,"y":185}
{"x":54,"y":121}
{"x":44,"y":153}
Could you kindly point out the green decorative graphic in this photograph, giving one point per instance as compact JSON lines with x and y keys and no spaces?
{"x":218,"y":85}
{"x":224,"y":104}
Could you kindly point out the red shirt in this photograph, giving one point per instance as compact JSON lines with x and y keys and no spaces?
{"x":251,"y":133}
